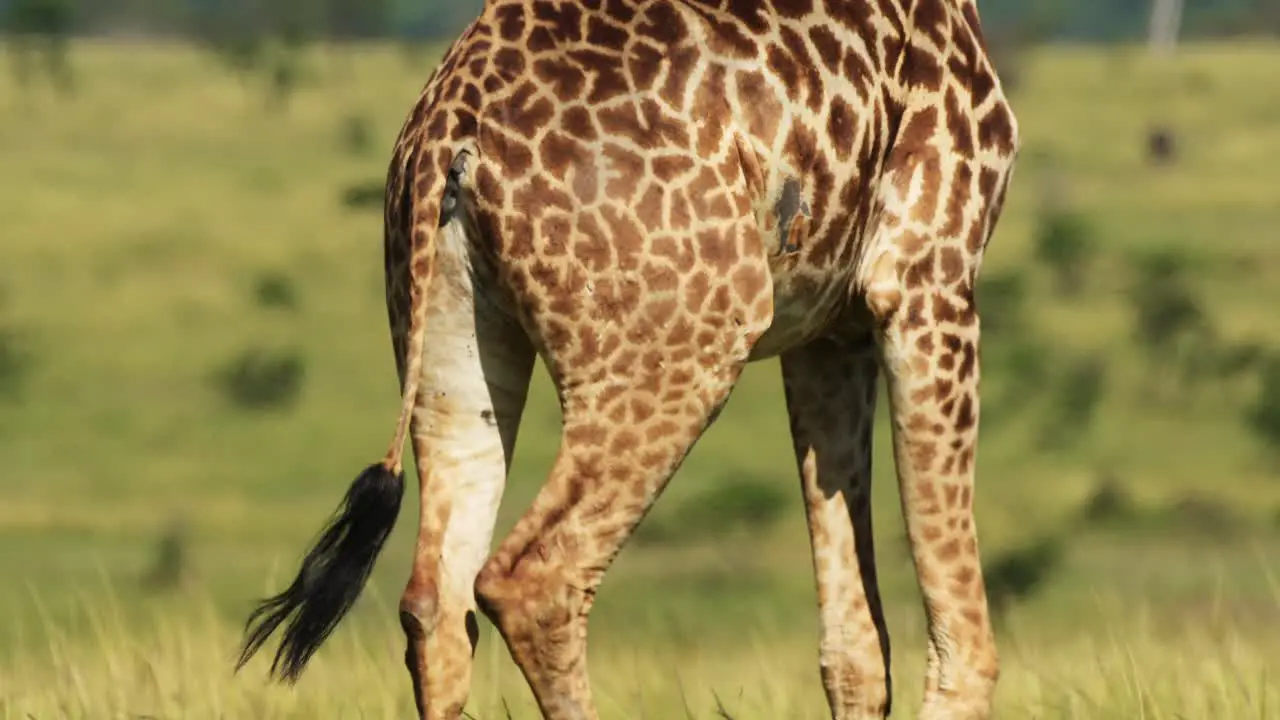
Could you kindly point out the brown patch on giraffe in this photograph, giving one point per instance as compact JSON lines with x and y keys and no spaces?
{"x":562,"y":20}
{"x":785,"y":68}
{"x":725,"y":37}
{"x":626,"y":169}
{"x":918,"y":131}
{"x":919,"y":272}
{"x":564,"y":79}
{"x":793,"y":9}
{"x":680,"y":334}
{"x":951,"y":496}
{"x":659,"y":279}
{"x":968,"y":362}
{"x":948,"y":551}
{"x":982,"y":82}
{"x":509,"y":63}
{"x":801,"y":147}
{"x":663,"y":23}
{"x":970,"y":12}
{"x":681,"y":210}
{"x":679,"y":254}
{"x":952,"y":343}
{"x":525,"y":111}
{"x":578,"y":122}
{"x":607,"y":78}
{"x":922,"y":70}
{"x":512,"y":156}
{"x":951,"y":264}
{"x":532,"y":198}
{"x":758,"y":102}
{"x":995,"y":129}
{"x":616,"y":300}
{"x":944,"y":311}
{"x":558,"y":153}
{"x":627,"y":238}
{"x":827,"y":45}
{"x":644,"y":62}
{"x":931,"y":533}
{"x":510,"y":21}
{"x":856,"y":17}
{"x":933,"y":19}
{"x":649,"y":210}
{"x":667,"y":168}
{"x":680,"y":62}
{"x":957,"y":201}
{"x":604,"y":34}
{"x":709,"y":103}
{"x":752,"y":13}
{"x":592,"y":250}
{"x":717,"y":250}
{"x":958,"y":125}
{"x":915,"y":317}
{"x":555,"y":229}
{"x":696,"y":289}
{"x":860,"y":72}
{"x":841,"y":127}
{"x":621,"y":11}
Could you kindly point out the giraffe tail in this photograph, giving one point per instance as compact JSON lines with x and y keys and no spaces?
{"x":336,"y":568}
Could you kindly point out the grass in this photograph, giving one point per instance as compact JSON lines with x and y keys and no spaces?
{"x":142,"y":215}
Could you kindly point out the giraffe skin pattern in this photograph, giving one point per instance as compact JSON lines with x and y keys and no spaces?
{"x":648,"y":195}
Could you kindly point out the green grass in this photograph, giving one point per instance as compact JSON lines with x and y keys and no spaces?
{"x":139,"y":221}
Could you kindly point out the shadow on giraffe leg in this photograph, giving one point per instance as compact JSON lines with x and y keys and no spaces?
{"x":830,"y":387}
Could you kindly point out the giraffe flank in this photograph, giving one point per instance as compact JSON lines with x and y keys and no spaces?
{"x":649,"y":194}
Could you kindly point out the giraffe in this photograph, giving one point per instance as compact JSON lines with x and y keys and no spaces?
{"x":648,"y":195}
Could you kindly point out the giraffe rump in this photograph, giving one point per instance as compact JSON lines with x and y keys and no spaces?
{"x":332,"y":575}
{"x":335,"y":569}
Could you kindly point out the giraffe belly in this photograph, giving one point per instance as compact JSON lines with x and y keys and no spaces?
{"x":804,"y":306}
{"x":807,"y":295}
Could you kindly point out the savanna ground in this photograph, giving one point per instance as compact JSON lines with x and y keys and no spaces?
{"x":194,"y":363}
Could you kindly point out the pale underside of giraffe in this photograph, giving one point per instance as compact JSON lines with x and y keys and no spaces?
{"x":649,"y":195}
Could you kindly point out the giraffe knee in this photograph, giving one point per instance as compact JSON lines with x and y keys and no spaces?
{"x":419,"y":606}
{"x":857,"y":687}
{"x":524,"y":604}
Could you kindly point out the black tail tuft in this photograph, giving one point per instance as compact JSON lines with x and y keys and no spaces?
{"x":332,"y":574}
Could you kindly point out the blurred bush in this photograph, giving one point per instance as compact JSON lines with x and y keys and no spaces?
{"x":39,"y":39}
{"x":1076,"y":396}
{"x":1018,"y":574}
{"x":274,"y":289}
{"x":260,"y":379}
{"x":1263,"y":415}
{"x":732,"y":504}
{"x":364,"y":196}
{"x":15,"y":364}
{"x":1064,"y":244}
{"x":357,"y":134}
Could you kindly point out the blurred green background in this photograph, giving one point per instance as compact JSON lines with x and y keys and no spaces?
{"x":194,"y":362}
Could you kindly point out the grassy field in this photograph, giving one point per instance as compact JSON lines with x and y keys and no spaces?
{"x":161,"y":223}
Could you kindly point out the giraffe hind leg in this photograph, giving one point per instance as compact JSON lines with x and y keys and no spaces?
{"x":539,"y":586}
{"x":830,"y":387}
{"x":477,"y":364}
{"x":921,"y":294}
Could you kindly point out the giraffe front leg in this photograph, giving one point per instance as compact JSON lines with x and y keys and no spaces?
{"x":476,"y":371}
{"x":831,"y":395}
{"x":930,"y":347}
